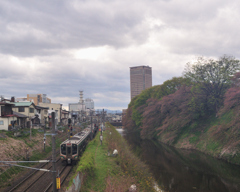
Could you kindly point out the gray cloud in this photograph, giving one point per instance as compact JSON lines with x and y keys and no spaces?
{"x":60,"y":47}
{"x":33,"y":28}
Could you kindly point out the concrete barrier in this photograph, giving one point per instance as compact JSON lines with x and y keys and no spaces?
{"x":77,"y":183}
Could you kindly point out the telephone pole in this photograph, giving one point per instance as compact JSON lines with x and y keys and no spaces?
{"x":30,"y":130}
{"x":53,"y":152}
{"x":91,"y":113}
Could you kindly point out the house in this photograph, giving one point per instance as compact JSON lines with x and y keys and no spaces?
{"x":7,"y":118}
{"x":53,"y":107}
{"x":42,"y":113}
{"x":21,"y":119}
{"x":27,"y":109}
{"x":65,"y":116}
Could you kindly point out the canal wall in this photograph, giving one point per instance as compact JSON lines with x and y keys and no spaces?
{"x":76,"y":183}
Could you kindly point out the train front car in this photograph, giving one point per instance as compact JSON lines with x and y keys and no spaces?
{"x":72,"y":148}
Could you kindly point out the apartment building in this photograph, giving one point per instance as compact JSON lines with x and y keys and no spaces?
{"x":38,"y":98}
{"x":140,"y":79}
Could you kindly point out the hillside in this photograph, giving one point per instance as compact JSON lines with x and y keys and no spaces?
{"x":184,"y":112}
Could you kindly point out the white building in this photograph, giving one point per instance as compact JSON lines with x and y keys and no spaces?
{"x":89,"y":103}
{"x":76,"y":107}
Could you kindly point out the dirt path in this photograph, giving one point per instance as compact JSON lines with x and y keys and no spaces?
{"x":96,"y":154}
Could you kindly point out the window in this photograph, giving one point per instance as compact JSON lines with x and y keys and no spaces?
{"x":21,"y":109}
{"x":1,"y":123}
{"x":63,"y":149}
{"x":69,"y":150}
{"x":74,"y":149}
{"x":31,"y":110}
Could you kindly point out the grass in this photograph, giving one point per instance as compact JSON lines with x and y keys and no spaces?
{"x":200,"y":145}
{"x":193,"y":139}
{"x":96,"y":165}
{"x":212,"y":146}
{"x":108,"y":173}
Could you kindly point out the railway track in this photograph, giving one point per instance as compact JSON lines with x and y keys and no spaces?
{"x":23,"y":179}
{"x":40,"y":181}
{"x":43,"y":182}
{"x":63,"y":175}
{"x":29,"y":178}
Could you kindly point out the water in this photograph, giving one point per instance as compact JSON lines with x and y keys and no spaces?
{"x":121,"y":131}
{"x":177,"y":170}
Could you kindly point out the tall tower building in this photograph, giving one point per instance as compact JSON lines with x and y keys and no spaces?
{"x":140,"y":79}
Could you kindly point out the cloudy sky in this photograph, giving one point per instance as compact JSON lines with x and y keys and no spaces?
{"x":59,"y":47}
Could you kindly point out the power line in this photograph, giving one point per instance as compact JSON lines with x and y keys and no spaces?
{"x":9,"y":164}
{"x":40,"y":161}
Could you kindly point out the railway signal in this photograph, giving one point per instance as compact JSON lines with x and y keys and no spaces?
{"x":58,"y":182}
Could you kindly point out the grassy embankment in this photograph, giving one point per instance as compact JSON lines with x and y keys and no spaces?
{"x":105,"y":173}
{"x":25,"y":142}
{"x":166,"y":115}
{"x":215,"y":136}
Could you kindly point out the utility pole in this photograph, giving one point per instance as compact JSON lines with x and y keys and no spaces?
{"x":44,"y":138}
{"x":91,"y":125}
{"x":30,"y":130}
{"x":103,"y":116}
{"x":45,"y":125}
{"x":102,"y":119}
{"x":53,"y":152}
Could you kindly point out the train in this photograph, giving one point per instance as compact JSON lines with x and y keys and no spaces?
{"x":72,"y":148}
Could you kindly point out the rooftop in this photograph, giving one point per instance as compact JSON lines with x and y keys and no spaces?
{"x":16,"y":114}
{"x":23,"y":104}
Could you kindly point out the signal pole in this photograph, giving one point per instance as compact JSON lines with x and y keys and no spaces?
{"x":53,"y":152}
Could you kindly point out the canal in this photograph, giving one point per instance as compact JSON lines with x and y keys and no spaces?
{"x":177,"y":170}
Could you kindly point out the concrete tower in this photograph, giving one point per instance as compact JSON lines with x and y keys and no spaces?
{"x":81,"y":97}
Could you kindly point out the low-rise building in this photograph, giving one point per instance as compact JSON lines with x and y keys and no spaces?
{"x":53,"y":107}
{"x":65,"y":117}
{"x":89,"y":103}
{"x":21,"y":119}
{"x":27,"y":109}
{"x":42,"y":112}
{"x":6,"y":115}
{"x":38,"y":98}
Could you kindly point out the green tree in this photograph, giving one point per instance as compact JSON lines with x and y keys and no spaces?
{"x":210,"y":78}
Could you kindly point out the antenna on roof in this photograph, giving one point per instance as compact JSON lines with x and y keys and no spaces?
{"x":12,"y":99}
{"x":1,"y":98}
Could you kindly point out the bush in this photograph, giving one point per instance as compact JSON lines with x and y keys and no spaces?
{"x":86,"y":165}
